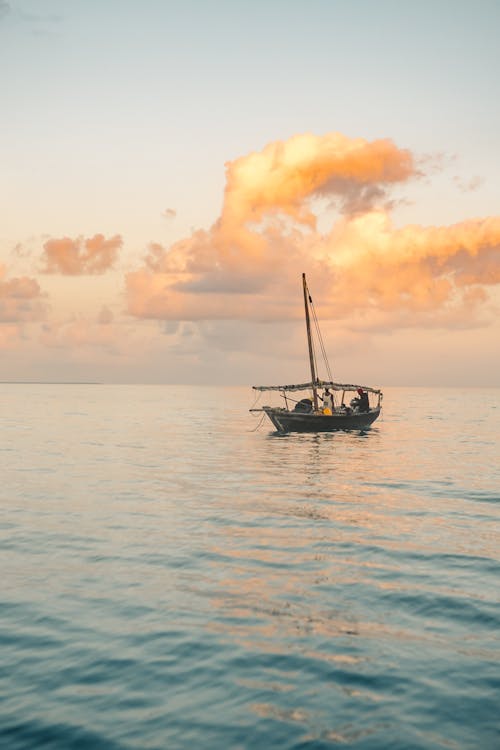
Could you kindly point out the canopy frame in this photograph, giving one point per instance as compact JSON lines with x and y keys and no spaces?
{"x":317,"y":384}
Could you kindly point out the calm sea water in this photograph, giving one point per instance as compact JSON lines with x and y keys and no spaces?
{"x":171,"y":578}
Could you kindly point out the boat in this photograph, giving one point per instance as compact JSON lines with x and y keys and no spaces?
{"x":337,"y":410}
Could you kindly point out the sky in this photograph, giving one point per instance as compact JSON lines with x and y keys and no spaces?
{"x":168,"y":169}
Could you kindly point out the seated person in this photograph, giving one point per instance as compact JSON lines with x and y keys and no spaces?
{"x":364,"y":403}
{"x":304,"y":405}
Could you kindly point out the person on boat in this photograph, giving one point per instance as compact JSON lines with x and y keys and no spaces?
{"x":327,"y":400}
{"x":304,"y":405}
{"x":363,"y":402}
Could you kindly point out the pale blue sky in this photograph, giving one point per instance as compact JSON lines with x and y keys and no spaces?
{"x":113,"y":110}
{"x":150,"y":99}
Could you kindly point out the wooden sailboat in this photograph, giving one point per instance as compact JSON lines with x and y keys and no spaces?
{"x":333,"y":413}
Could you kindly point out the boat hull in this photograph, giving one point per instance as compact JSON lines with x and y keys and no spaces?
{"x":291,"y":421}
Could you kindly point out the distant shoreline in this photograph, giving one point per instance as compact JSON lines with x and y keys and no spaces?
{"x":49,"y":382}
{"x":226,"y":385}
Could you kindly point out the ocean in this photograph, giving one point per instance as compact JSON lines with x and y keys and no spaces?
{"x":174,"y":575}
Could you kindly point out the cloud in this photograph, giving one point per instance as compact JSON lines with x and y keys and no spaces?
{"x":21,"y":300}
{"x":105,"y":316}
{"x":42,"y":17}
{"x":247,"y":266}
{"x":5,"y":8}
{"x":81,"y":336}
{"x":21,"y":251}
{"x":42,"y":24}
{"x":75,"y":257}
{"x":169,"y":213}
{"x":469,"y":186}
{"x":284,"y":175}
{"x":418,"y":269}
{"x":11,"y":336}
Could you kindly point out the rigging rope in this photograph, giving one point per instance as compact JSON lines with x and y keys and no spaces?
{"x":320,"y":339}
{"x":257,"y":399}
{"x":321,"y":343}
{"x":312,"y":340}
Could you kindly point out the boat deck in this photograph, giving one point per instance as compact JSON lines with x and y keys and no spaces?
{"x":295,"y":421}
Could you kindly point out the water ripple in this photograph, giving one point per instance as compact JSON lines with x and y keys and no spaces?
{"x":171,"y":579}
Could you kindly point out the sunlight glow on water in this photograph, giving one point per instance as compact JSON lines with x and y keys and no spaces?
{"x":172,"y":578}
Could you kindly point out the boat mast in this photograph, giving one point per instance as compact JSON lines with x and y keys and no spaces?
{"x":309,"y":342}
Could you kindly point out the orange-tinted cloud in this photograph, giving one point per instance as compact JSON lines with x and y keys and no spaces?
{"x":74,"y":257}
{"x":284,"y":175}
{"x":81,"y":335}
{"x":248,"y":264}
{"x":468,"y":186}
{"x":418,"y":269}
{"x":169,"y":213}
{"x":21,"y":299}
{"x":105,"y":316}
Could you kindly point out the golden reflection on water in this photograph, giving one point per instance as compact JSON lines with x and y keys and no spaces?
{"x":298,"y":561}
{"x":343,"y":520}
{"x":341,"y":565}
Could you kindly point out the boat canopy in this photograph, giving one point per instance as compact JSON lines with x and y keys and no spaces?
{"x":316,"y":384}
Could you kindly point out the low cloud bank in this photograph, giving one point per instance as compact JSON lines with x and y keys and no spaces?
{"x":21,"y":300}
{"x":248,"y":264}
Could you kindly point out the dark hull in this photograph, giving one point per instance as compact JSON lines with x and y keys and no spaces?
{"x":291,"y":421}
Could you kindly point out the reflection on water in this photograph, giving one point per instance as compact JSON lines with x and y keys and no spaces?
{"x":171,"y":577}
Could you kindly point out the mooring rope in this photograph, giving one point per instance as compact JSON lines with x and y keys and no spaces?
{"x":257,"y":427}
